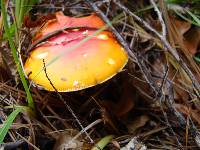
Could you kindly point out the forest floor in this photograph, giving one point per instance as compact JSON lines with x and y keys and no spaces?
{"x":152,"y":103}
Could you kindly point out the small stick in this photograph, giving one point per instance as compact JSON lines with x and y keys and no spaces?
{"x":159,"y":13}
{"x":166,"y":44}
{"x":132,"y":55}
{"x":67,"y":106}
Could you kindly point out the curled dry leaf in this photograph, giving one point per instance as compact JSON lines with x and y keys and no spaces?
{"x":188,"y":112}
{"x":134,"y":145}
{"x":181,"y":25}
{"x":137,"y":123}
{"x":125,"y":103}
{"x":192,"y":40}
{"x":190,"y":35}
{"x":32,"y":21}
{"x":5,"y":73}
{"x":66,"y":141}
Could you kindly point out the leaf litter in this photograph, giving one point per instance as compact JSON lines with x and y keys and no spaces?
{"x":152,"y":103}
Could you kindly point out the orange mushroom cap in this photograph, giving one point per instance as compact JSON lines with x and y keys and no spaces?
{"x":62,"y":21}
{"x":81,"y":65}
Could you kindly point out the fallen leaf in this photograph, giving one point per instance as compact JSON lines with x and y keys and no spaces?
{"x":181,"y":25}
{"x":134,"y":145}
{"x":127,"y":100}
{"x":5,"y":73}
{"x":137,"y":123}
{"x":66,"y":141}
{"x":192,"y":40}
{"x":190,"y":35}
{"x":188,"y":112}
{"x":32,"y":21}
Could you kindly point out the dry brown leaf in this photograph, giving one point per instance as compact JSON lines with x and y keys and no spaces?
{"x":180,"y":94}
{"x":37,"y":20}
{"x":188,"y":112}
{"x":108,"y":116}
{"x":126,"y":102}
{"x":4,"y":71}
{"x":181,"y":25}
{"x":192,"y":40}
{"x":66,"y":141}
{"x":134,"y":144}
{"x":176,"y":38}
{"x":137,"y":123}
{"x":190,"y":35}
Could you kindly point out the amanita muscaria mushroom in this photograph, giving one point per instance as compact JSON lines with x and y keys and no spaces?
{"x":93,"y":62}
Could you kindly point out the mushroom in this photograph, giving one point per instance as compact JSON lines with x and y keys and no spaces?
{"x":90,"y":63}
{"x":62,"y":21}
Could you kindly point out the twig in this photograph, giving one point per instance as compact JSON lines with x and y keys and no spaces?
{"x":170,"y":102}
{"x":166,"y":44}
{"x":146,"y":25}
{"x":159,"y":13}
{"x":85,"y":129}
{"x":163,"y":81}
{"x":132,"y":55}
{"x":67,"y":106}
{"x":27,"y":141}
{"x":161,"y":100}
{"x":167,"y":121}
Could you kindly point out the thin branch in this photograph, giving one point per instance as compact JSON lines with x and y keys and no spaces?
{"x":67,"y":106}
{"x":159,"y":13}
{"x":166,"y":44}
{"x":132,"y":55}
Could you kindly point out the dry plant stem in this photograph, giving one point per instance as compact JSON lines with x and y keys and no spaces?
{"x":184,"y":66}
{"x":140,"y":64}
{"x":85,"y":129}
{"x":12,"y":145}
{"x":178,"y":115}
{"x":167,"y":122}
{"x":161,"y":98}
{"x":27,"y":141}
{"x":67,"y":106}
{"x":132,"y":55}
{"x":170,"y":104}
{"x":48,"y":107}
{"x":164,"y":29}
{"x":145,"y":134}
{"x":166,"y":44}
{"x":46,"y":119}
{"x":163,"y":81}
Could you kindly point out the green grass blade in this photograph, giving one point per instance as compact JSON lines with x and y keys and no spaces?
{"x":195,"y":18}
{"x":197,"y":59}
{"x":103,"y":142}
{"x":7,"y":124}
{"x":21,"y":13}
{"x":21,"y":9}
{"x":15,"y":56}
{"x":187,"y":19}
{"x":17,"y":9}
